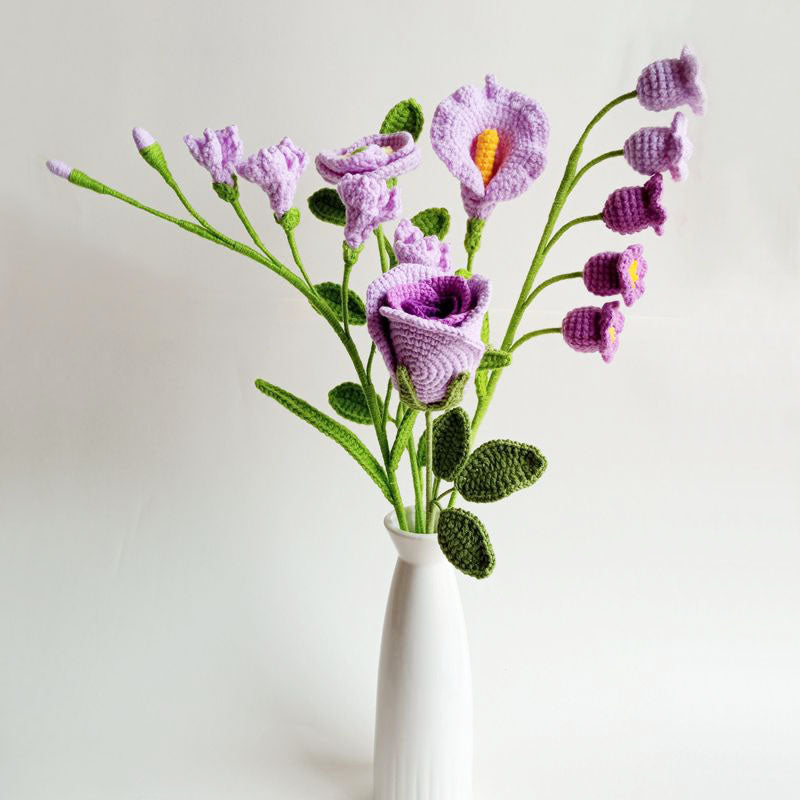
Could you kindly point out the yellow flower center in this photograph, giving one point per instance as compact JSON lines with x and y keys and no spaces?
{"x":633,"y":271}
{"x":612,"y":332}
{"x":486,"y":145}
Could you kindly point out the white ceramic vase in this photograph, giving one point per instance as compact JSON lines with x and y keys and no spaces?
{"x":423,"y":724}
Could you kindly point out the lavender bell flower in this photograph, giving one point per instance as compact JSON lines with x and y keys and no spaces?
{"x":622,"y":273}
{"x":671,"y":82}
{"x":412,"y":247}
{"x":634,"y":208}
{"x":369,"y":202}
{"x":651,"y":150}
{"x":276,"y":170}
{"x":493,"y":141}
{"x":381,"y":156}
{"x":218,"y":151}
{"x":594,"y":330}
{"x":429,"y":323}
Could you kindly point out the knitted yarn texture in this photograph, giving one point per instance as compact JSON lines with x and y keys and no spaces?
{"x":369,"y":202}
{"x":218,"y":151}
{"x":381,"y":156}
{"x":428,"y":322}
{"x":622,"y":273}
{"x":492,"y":140}
{"x":671,"y":82}
{"x":651,"y":150}
{"x":412,"y":247}
{"x":634,"y":208}
{"x":591,"y":330}
{"x":276,"y":170}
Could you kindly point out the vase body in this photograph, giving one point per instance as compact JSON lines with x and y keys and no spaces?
{"x":423,"y":723}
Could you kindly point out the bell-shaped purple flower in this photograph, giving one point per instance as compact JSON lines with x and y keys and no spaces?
{"x":634,"y":208}
{"x":429,"y":323}
{"x":412,"y":247}
{"x":493,"y":141}
{"x":651,"y":150}
{"x":594,"y":330}
{"x":218,"y":151}
{"x":381,"y":156}
{"x":276,"y":170}
{"x":617,"y":273}
{"x":368,"y":202}
{"x":671,"y":82}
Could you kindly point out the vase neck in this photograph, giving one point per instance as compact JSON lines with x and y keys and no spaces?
{"x":414,"y":548}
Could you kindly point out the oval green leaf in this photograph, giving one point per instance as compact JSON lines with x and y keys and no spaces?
{"x":465,"y":542}
{"x":326,"y":205}
{"x":405,"y":116}
{"x":348,"y":401}
{"x":450,"y":443}
{"x":331,"y":293}
{"x":433,"y":221}
{"x":497,"y":469}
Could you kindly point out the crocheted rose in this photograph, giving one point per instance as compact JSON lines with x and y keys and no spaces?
{"x":276,"y":170}
{"x":218,"y":151}
{"x":381,"y":156}
{"x":493,"y":140}
{"x":429,"y":323}
{"x":634,"y":208}
{"x":671,"y":82}
{"x":651,"y":150}
{"x":591,"y":330}
{"x":368,"y":202}
{"x":412,"y":247}
{"x":617,"y":273}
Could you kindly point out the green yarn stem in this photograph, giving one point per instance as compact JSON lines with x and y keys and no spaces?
{"x":370,"y":359}
{"x":566,"y":226}
{"x":382,"y":249}
{"x":531,"y":334}
{"x":562,"y":193}
{"x":237,"y":207}
{"x":296,"y":256}
{"x":386,"y":400}
{"x":445,"y":493}
{"x":549,"y":282}
{"x":428,"y":472}
{"x":85,"y":181}
{"x":589,"y":164}
{"x":470,"y":257}
{"x":416,"y":480}
{"x":348,"y":268}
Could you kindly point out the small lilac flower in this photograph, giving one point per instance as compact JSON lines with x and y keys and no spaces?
{"x":591,"y":330}
{"x":276,"y":170}
{"x":671,"y":82}
{"x":381,"y":156}
{"x":429,"y":323}
{"x":369,"y":202}
{"x":617,"y":273}
{"x":411,"y":247}
{"x":634,"y":208}
{"x":142,"y":139}
{"x":218,"y":151}
{"x":493,"y":141}
{"x":59,"y":168}
{"x":651,"y":150}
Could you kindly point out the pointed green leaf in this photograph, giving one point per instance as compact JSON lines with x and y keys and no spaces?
{"x":405,"y":116}
{"x":433,"y":221}
{"x":403,"y":435}
{"x":465,"y":542}
{"x":450,"y":443}
{"x":408,"y":394}
{"x":497,"y":469}
{"x":326,"y":205}
{"x":494,"y":359}
{"x":331,"y":293}
{"x":481,"y":378}
{"x":347,"y":399}
{"x":330,"y":427}
{"x":390,"y":252}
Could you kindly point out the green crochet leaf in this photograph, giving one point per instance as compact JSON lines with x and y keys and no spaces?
{"x":450,"y":443}
{"x":330,"y":427}
{"x":405,"y":116}
{"x":408,"y":394}
{"x":433,"y":221}
{"x":348,"y":401}
{"x":331,"y":293}
{"x":403,"y":435}
{"x":494,"y":359}
{"x":465,"y":542}
{"x":326,"y":205}
{"x":481,"y":378}
{"x":422,"y":450}
{"x":390,"y":252}
{"x":497,"y":469}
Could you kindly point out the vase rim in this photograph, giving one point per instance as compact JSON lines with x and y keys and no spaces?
{"x":390,"y":522}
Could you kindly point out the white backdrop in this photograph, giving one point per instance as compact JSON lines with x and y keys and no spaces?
{"x":192,"y":581}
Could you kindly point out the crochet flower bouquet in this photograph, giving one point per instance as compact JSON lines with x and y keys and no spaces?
{"x":427,"y":313}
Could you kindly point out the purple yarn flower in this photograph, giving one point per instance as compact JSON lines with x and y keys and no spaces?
{"x":634,"y":208}
{"x":617,"y":273}
{"x":429,"y":323}
{"x":651,"y":150}
{"x":276,"y":170}
{"x":218,"y":151}
{"x":591,"y":330}
{"x":493,"y":141}
{"x":411,"y":247}
{"x":671,"y":82}
{"x":369,"y":202}
{"x":381,"y":156}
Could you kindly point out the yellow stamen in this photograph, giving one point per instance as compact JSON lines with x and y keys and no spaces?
{"x":612,"y":332}
{"x":633,"y":271}
{"x":485,"y":153}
